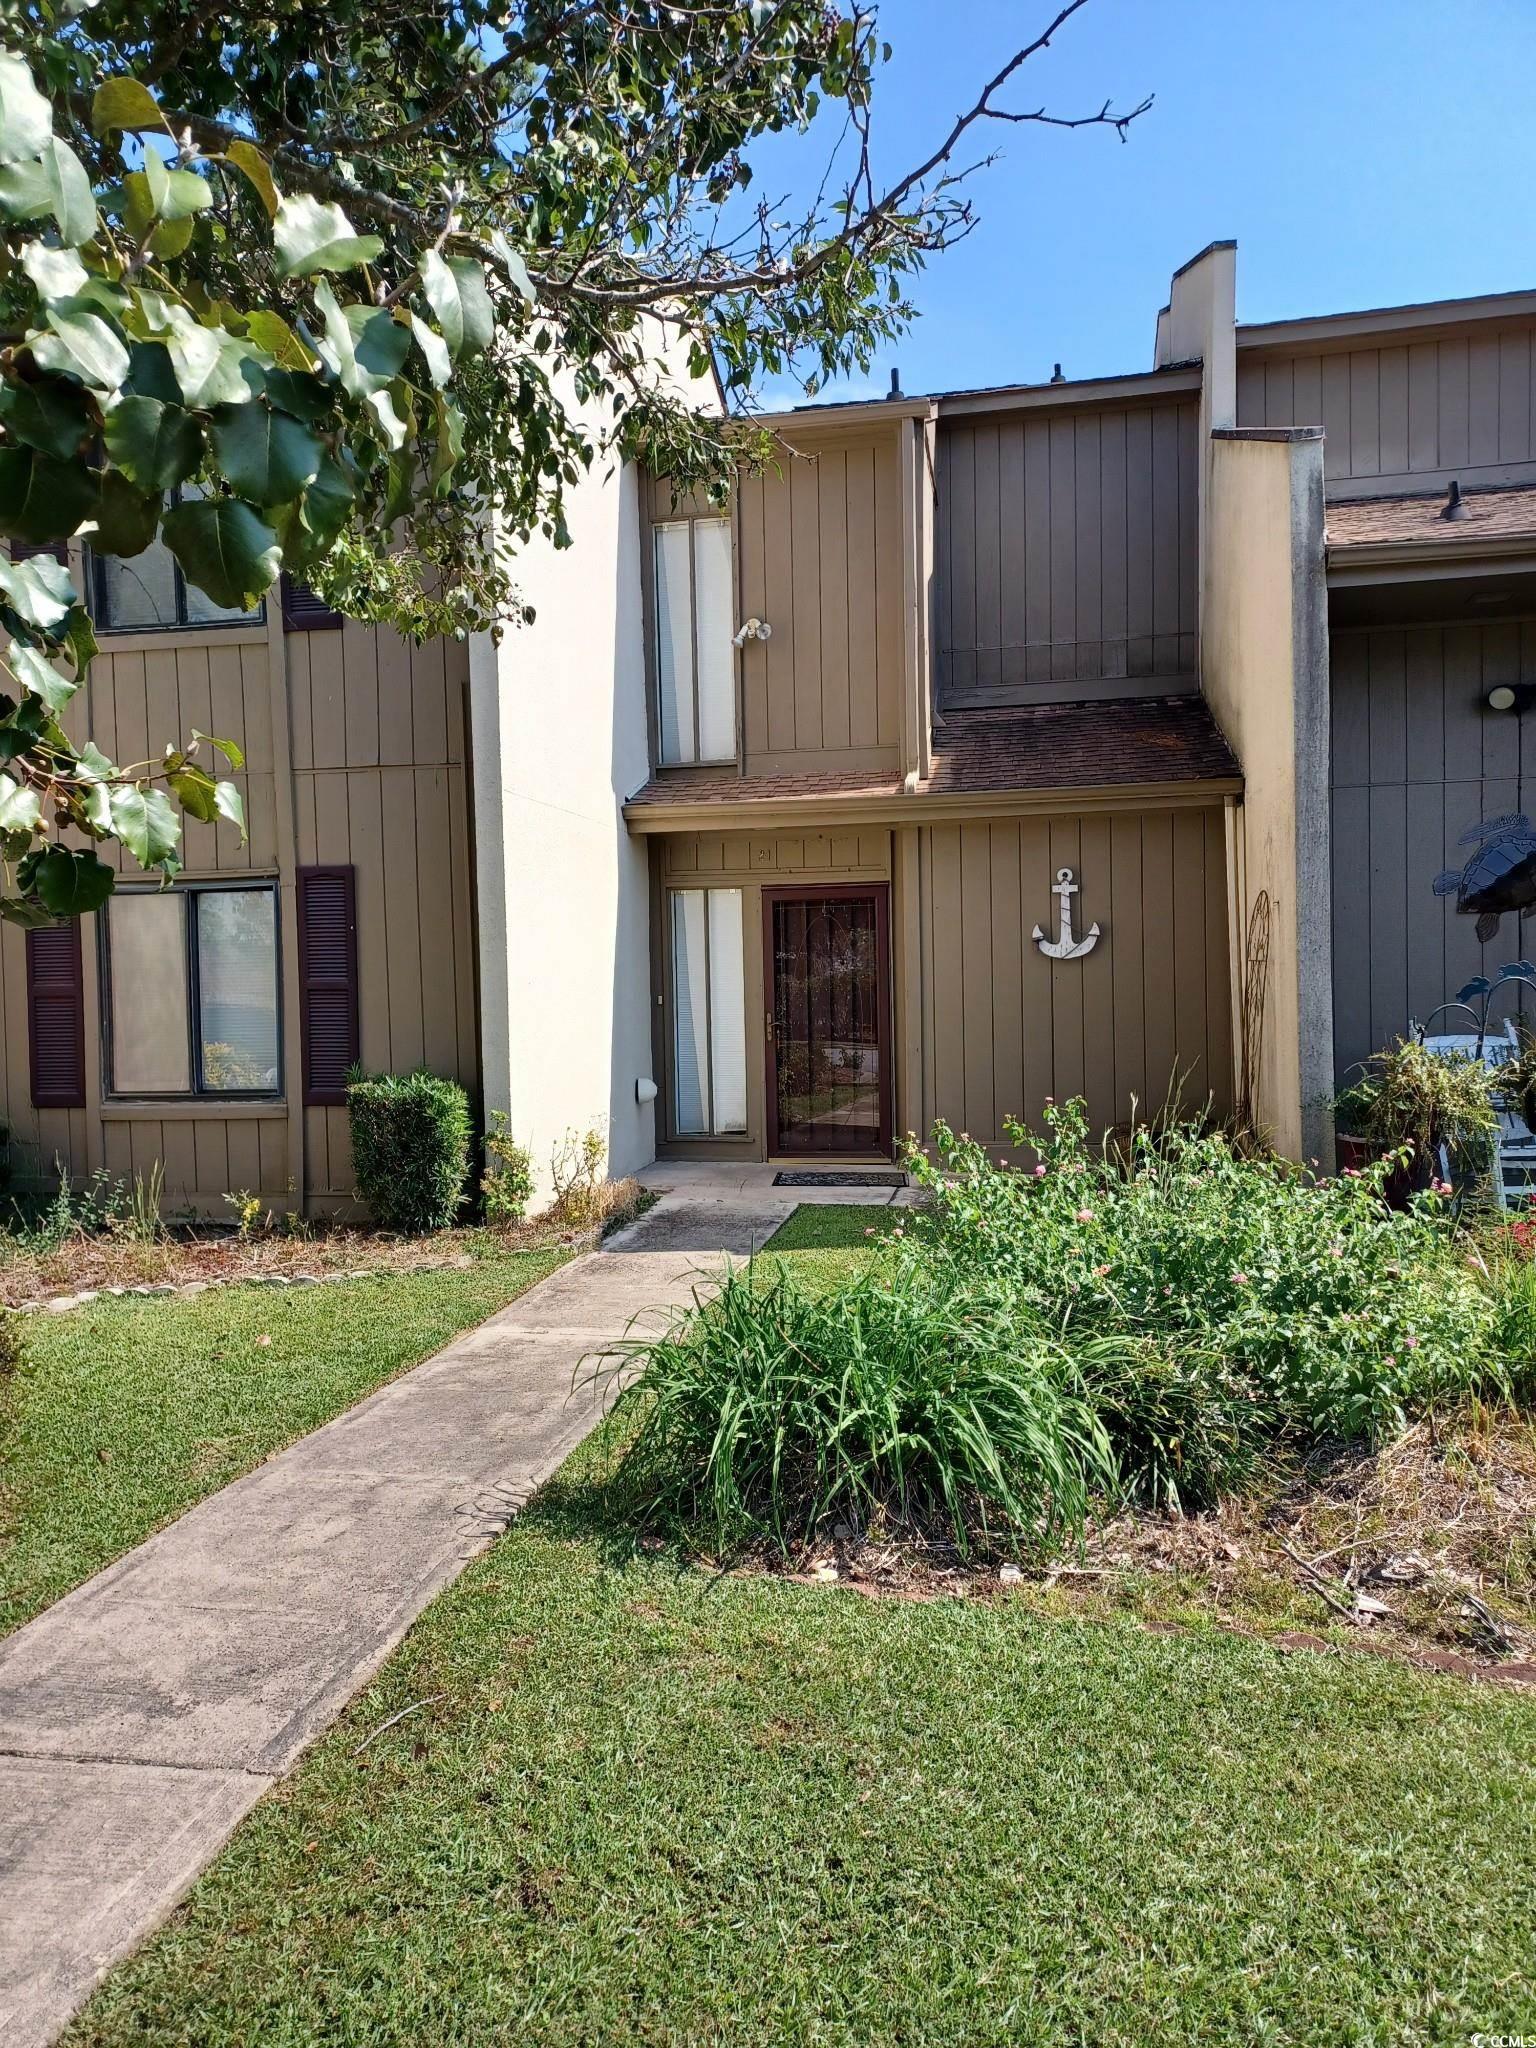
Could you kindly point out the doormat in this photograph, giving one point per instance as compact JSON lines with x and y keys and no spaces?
{"x":839,"y":1180}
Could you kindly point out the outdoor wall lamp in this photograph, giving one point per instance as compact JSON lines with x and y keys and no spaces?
{"x":754,"y":629}
{"x":1511,"y":697}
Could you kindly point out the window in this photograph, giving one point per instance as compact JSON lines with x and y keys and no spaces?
{"x":192,"y":991}
{"x":695,"y":660}
{"x":148,"y":593}
{"x":709,"y":1024}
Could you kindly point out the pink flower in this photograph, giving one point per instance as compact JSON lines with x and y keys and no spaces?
{"x":1039,"y":1173}
{"x":1100,"y":1271}
{"x":869,"y":1230}
{"x":1440,"y":1187}
{"x":1085,"y":1215}
{"x":1410,"y":1342}
{"x":1351,"y":1173}
{"x":1239,"y":1279}
{"x":1389,"y":1359}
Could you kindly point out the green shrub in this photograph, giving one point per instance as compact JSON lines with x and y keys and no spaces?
{"x":771,"y":1409}
{"x":507,"y":1183}
{"x":1339,"y":1315}
{"x":410,"y":1148}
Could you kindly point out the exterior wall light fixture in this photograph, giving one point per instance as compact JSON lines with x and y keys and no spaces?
{"x":754,"y":629}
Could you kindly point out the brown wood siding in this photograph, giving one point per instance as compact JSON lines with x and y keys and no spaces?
{"x":1417,"y":758}
{"x":1004,"y":1027}
{"x":1413,"y":413}
{"x":819,"y":556}
{"x":1066,"y":551}
{"x":378,"y":781}
{"x":380,"y":785}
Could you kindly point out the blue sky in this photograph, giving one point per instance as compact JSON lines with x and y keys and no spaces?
{"x":1361,"y":152}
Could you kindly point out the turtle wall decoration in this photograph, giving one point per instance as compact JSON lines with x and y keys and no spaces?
{"x":1499,"y":876}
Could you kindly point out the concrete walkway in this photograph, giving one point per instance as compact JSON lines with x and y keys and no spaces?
{"x":146,"y":1713}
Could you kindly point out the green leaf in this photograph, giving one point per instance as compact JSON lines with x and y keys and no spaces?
{"x":512,"y":264}
{"x":194,"y":790}
{"x":225,"y":548}
{"x":230,"y":804}
{"x":363,"y":347}
{"x":92,"y":764}
{"x":145,"y":822}
{"x":232,"y":751}
{"x":311,"y":235}
{"x":37,"y":676}
{"x":449,"y":445}
{"x":271,"y":331}
{"x":57,"y":273}
{"x":322,"y":513}
{"x":185,"y":194}
{"x":456,"y":293}
{"x":434,"y":351}
{"x":19,"y":807}
{"x":25,"y":912}
{"x":391,"y":425}
{"x":265,"y":456}
{"x":248,"y":159}
{"x":37,"y":590}
{"x":124,"y":103}
{"x":151,"y":374}
{"x":71,"y":203}
{"x":51,"y":415}
{"x":69,"y":881}
{"x":53,"y":184}
{"x":80,"y":344}
{"x":26,"y":120}
{"x":42,"y":498}
{"x":298,"y":393}
{"x":125,"y":518}
{"x":155,"y":445}
{"x":211,"y":367}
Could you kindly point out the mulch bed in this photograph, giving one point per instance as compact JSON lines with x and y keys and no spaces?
{"x":1424,"y":1551}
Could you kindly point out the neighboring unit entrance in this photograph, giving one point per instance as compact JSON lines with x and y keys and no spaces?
{"x":827,"y":975}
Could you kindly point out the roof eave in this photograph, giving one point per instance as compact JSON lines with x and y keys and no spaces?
{"x":767,"y":814}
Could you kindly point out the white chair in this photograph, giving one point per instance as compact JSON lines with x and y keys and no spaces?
{"x":1514,"y":1143}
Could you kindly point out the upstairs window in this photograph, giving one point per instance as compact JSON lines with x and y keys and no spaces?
{"x":147,"y":592}
{"x":695,"y":660}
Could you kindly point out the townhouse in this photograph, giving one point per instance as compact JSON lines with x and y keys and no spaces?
{"x":1095,"y":737}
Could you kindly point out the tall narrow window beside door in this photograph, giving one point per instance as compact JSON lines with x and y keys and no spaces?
{"x":695,"y":659}
{"x":709,"y":1021}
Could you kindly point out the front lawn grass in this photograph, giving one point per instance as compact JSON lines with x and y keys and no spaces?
{"x":638,"y":1802}
{"x":129,"y":1410}
{"x":825,"y":1242}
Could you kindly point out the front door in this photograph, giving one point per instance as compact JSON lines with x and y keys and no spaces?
{"x":828,"y":978}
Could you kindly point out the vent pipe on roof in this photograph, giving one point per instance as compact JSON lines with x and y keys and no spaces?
{"x":1453,"y":508}
{"x":896,"y":390}
{"x":1056,"y":376}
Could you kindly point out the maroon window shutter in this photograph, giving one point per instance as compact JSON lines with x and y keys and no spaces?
{"x":56,"y":1016}
{"x":303,"y":612}
{"x":22,"y":549}
{"x":327,"y":982}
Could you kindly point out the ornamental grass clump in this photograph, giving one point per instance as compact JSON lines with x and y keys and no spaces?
{"x":770,"y":1410}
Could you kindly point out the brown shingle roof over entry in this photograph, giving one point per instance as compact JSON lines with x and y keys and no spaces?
{"x":685,"y":786}
{"x":1079,"y":746}
{"x":1376,"y":522}
{"x":1135,"y":740}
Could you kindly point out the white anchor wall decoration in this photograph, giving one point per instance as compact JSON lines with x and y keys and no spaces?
{"x":1065,"y":947}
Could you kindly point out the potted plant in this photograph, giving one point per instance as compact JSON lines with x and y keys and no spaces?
{"x":1430,"y":1103}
